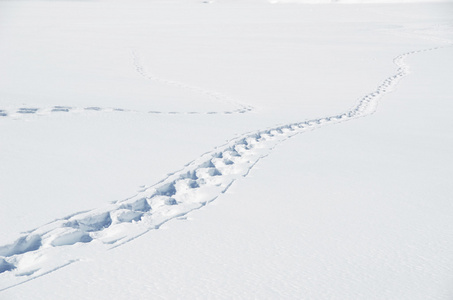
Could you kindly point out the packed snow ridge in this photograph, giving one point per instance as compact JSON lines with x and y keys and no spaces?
{"x":198,"y":183}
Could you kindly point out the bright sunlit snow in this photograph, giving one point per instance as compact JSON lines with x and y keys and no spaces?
{"x":226,"y":149}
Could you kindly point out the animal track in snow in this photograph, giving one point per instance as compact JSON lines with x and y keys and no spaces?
{"x":18,"y":113}
{"x":37,"y":252}
{"x":22,"y":112}
{"x":61,"y":109}
{"x":216,"y":96}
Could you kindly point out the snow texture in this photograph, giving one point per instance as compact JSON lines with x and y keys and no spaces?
{"x":111,"y":229}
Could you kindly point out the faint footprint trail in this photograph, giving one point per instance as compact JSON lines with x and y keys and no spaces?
{"x":216,"y":96}
{"x":23,"y":112}
{"x":40,"y":251}
{"x":19,"y":113}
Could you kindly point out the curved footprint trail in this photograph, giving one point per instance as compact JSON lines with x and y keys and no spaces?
{"x":23,"y":112}
{"x":61,"y":242}
{"x":216,"y":96}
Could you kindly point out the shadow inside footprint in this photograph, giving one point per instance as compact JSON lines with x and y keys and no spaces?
{"x":61,"y":109}
{"x":91,"y":223}
{"x":5,"y":266}
{"x":24,"y":110}
{"x":95,"y":108}
{"x":22,"y":245}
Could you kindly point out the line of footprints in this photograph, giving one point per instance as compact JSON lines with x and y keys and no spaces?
{"x":198,"y":183}
{"x":22,"y":111}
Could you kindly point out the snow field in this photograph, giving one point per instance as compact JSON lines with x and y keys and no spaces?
{"x":161,"y":124}
{"x":191,"y":188}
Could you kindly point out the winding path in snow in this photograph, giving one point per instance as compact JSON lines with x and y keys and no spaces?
{"x":238,"y":108}
{"x":201,"y":181}
{"x":213,"y":95}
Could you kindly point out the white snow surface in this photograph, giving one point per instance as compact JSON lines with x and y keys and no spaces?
{"x":356,"y":1}
{"x":225,"y":149}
